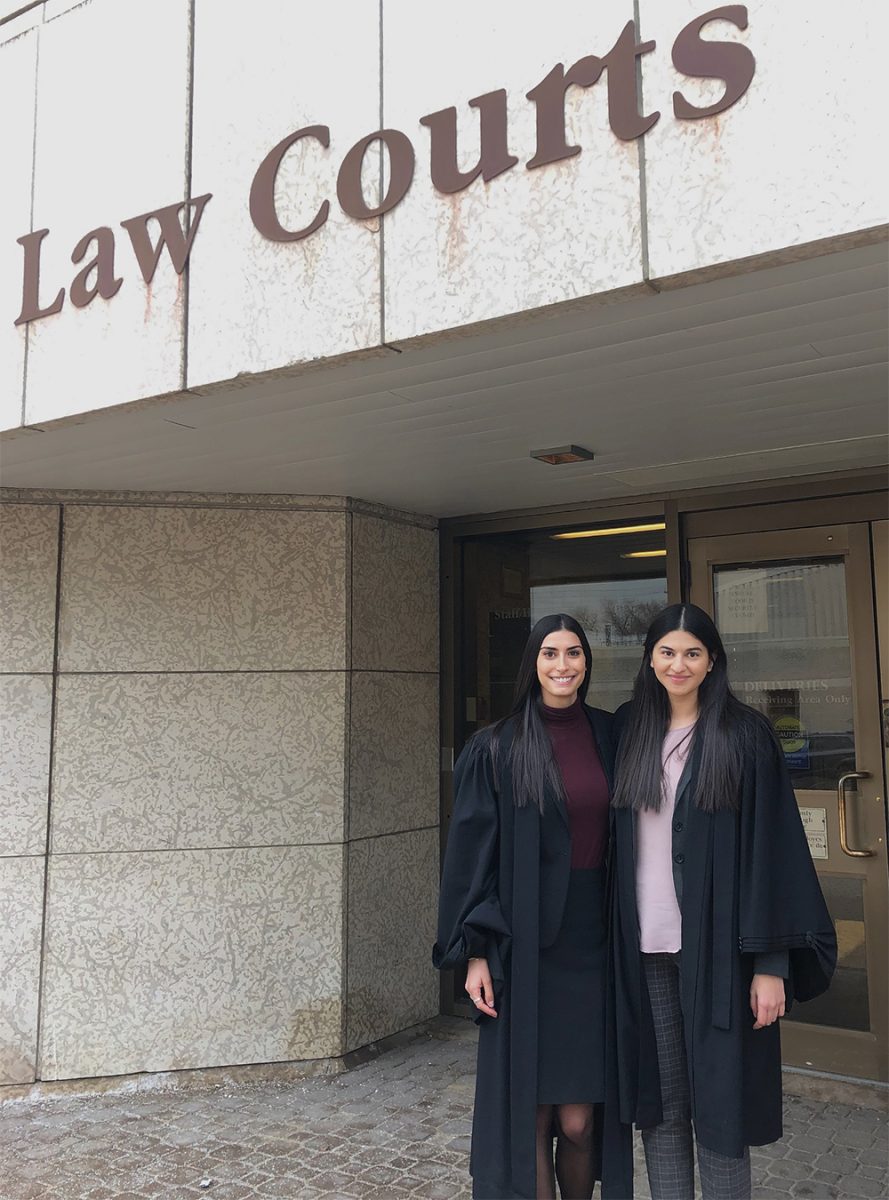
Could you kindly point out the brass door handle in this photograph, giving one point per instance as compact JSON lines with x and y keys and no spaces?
{"x":841,"y":803}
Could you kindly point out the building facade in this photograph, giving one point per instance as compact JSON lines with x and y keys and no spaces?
{"x":300,"y":310}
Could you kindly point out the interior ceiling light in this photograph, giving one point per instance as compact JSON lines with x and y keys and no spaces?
{"x":646,"y":554}
{"x":563,"y":454}
{"x":587,"y":533}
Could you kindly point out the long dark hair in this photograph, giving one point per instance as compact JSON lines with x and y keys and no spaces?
{"x":720,"y":733}
{"x":531,"y":761}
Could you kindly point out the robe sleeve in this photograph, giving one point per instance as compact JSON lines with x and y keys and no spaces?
{"x":781,"y":907}
{"x":470,"y":921}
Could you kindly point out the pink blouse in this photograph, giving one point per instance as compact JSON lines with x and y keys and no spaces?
{"x":660,"y":922}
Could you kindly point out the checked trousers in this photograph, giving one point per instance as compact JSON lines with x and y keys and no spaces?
{"x":669,"y":1149}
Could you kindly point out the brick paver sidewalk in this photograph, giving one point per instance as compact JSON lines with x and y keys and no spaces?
{"x":396,"y":1126}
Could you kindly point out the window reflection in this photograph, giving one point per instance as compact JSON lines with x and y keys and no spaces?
{"x":613,"y":584}
{"x":785,"y":630}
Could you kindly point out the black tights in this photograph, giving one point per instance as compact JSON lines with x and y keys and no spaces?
{"x":573,"y":1127}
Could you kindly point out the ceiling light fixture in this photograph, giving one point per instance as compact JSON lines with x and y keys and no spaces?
{"x":646,"y":554}
{"x":563,"y":454}
{"x":588,"y":533}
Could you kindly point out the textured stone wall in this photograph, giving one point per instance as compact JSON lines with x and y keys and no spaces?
{"x":393,"y":779}
{"x":221,"y":724}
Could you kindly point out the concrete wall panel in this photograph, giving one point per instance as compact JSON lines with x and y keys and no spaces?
{"x":25,"y":729}
{"x":528,"y":237}
{"x":18,"y":81}
{"x":256,"y":304}
{"x":393,"y":887}
{"x":191,"y":959}
{"x":394,"y":596}
{"x":147,"y":762}
{"x":393,"y":774}
{"x":155,"y":589}
{"x":111,"y":143}
{"x":29,"y":550}
{"x":793,"y":161}
{"x":21,"y":902}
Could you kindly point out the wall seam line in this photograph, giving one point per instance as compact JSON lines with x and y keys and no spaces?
{"x":640,"y":151}
{"x":382,"y":193}
{"x":44,"y":915}
{"x":189,"y":149}
{"x":235,"y":671}
{"x":27,"y":350}
{"x":347,"y":780}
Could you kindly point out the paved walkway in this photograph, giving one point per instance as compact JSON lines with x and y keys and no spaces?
{"x":397,"y":1126}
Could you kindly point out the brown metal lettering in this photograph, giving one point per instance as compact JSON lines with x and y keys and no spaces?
{"x":731,"y":62}
{"x":623,"y":95}
{"x":494,"y":156}
{"x":177,"y":242}
{"x":262,"y":190}
{"x":401,"y":173}
{"x":105,"y":284}
{"x":31,"y":309}
{"x":549,"y":97}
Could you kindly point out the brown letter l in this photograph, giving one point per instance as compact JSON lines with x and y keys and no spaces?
{"x":31,"y":309}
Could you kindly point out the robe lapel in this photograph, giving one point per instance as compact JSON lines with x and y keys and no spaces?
{"x":554,"y":801}
{"x":604,"y":744}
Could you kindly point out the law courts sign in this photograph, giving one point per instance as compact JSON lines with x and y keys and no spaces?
{"x":94,"y":254}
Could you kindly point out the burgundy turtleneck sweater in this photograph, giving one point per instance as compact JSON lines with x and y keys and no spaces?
{"x":584,"y":781}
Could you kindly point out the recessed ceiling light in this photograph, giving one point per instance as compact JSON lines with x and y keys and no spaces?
{"x":588,"y":533}
{"x":646,"y":554}
{"x":563,"y":454}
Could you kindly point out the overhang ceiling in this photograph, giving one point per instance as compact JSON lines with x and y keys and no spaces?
{"x":767,"y":375}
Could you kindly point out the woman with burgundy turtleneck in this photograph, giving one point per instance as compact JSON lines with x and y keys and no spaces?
{"x":522,"y":907}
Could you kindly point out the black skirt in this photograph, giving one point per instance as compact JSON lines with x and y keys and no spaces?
{"x":571,"y":1021}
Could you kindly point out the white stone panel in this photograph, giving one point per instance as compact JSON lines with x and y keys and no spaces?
{"x":179,"y":589}
{"x":21,"y":907}
{"x":191,"y":958}
{"x":29,"y":555}
{"x":146,"y":762}
{"x":798,"y":158}
{"x":528,"y":237}
{"x":18,"y":80}
{"x":255,"y":304}
{"x":25,"y":720}
{"x":111,"y":144}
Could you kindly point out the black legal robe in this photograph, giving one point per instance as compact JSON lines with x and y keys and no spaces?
{"x":748,"y":887}
{"x":503,"y":890}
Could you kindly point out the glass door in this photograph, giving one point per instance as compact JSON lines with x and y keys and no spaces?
{"x":796,"y":610}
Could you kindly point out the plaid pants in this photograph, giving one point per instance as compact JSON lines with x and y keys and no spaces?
{"x":669,"y":1153}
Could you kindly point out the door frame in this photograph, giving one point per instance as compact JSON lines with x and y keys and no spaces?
{"x":848,"y":496}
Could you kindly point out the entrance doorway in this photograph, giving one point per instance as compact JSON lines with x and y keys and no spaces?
{"x":610,"y":575}
{"x":798,"y":610}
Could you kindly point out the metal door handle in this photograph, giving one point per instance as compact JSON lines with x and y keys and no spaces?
{"x":841,"y":802}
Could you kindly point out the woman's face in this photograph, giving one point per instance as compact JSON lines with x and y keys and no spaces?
{"x":681,"y":663}
{"x":561,"y":667}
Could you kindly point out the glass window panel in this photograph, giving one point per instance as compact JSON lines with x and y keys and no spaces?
{"x":845,"y":1004}
{"x":786,"y":635}
{"x":613,"y":584}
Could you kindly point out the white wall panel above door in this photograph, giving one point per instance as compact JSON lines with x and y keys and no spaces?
{"x":111,"y":143}
{"x":18,"y":80}
{"x":798,"y":158}
{"x":260,"y":75}
{"x":528,"y":237}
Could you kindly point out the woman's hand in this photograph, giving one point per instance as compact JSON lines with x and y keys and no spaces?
{"x":766,"y":999}
{"x":479,"y":987}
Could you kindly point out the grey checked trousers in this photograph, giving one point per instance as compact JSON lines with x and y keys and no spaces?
{"x":669,"y":1152}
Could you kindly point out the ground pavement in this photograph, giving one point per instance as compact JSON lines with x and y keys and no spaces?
{"x":396,"y":1126}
